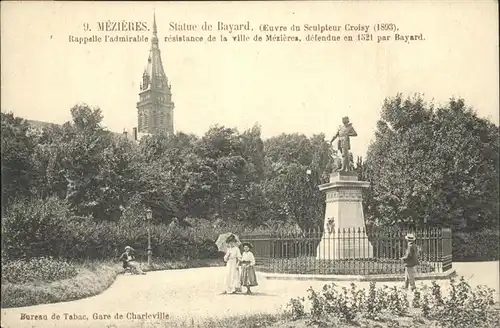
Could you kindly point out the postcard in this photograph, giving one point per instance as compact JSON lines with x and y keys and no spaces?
{"x":250,"y":164}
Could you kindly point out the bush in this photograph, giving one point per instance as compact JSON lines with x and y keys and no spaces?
{"x":476,"y":246}
{"x":40,"y":228}
{"x":344,"y":304}
{"x":92,"y":278}
{"x":463,"y":307}
{"x":376,"y":301}
{"x":398,"y":302}
{"x":295,"y":309}
{"x":102,"y":240}
{"x":341,"y":303}
{"x":37,"y":269}
{"x":35,"y":228}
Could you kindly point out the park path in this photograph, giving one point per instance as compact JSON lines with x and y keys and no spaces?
{"x":195,"y":293}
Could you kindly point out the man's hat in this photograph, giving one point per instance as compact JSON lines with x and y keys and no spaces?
{"x":410,"y":237}
{"x":128,"y":247}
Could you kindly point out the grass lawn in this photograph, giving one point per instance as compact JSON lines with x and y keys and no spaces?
{"x":310,"y":265}
{"x":26,"y":285}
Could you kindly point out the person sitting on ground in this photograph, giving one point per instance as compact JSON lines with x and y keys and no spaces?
{"x":129,"y":263}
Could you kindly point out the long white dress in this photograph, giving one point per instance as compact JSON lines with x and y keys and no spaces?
{"x":232,"y":283}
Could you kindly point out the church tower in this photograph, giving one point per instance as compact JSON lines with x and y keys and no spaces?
{"x":155,"y":108}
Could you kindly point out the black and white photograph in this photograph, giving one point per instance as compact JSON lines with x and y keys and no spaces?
{"x":250,"y":164}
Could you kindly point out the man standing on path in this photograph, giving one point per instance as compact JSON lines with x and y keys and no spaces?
{"x":411,"y":261}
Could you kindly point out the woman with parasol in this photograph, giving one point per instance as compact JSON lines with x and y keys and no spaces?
{"x":232,"y":258}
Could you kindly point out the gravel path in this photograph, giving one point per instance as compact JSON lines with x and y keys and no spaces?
{"x":191,"y":293}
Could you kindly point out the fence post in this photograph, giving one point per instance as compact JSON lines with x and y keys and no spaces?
{"x":447,"y":257}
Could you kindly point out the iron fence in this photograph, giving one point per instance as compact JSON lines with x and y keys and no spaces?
{"x":349,"y":251}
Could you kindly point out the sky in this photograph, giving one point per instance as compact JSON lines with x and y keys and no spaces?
{"x":301,"y":87}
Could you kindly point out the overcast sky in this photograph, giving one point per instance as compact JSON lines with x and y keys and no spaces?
{"x":285,"y":87}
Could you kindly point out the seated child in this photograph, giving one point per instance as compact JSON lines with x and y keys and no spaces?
{"x":128,"y":261}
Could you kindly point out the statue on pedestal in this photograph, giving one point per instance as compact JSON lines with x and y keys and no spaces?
{"x":344,"y":144}
{"x":344,"y":203}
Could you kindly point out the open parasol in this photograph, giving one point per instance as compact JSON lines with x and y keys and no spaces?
{"x":221,"y":241}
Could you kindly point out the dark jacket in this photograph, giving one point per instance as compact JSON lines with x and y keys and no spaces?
{"x":125,"y":259}
{"x":411,"y":256}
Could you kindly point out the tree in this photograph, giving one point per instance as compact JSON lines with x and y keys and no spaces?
{"x":433,"y":166}
{"x":86,"y":165}
{"x":46,"y":159}
{"x":292,"y":193}
{"x":17,"y":148}
{"x":364,"y":174}
{"x":252,"y":207}
{"x":222,"y":166}
{"x":170,"y":177}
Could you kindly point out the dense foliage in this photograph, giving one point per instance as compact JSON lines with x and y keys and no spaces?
{"x":426,"y":165}
{"x":78,"y":190}
{"x":436,"y":166}
{"x":224,"y":175}
{"x":40,"y":269}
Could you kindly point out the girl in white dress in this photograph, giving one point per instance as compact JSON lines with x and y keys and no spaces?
{"x":232,"y":258}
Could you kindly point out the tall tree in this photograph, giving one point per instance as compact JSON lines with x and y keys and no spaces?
{"x":222,"y":164}
{"x":171,"y":182}
{"x":437,"y":166}
{"x":16,"y":151}
{"x":47,"y":163}
{"x":295,"y":166}
{"x":94,"y":165}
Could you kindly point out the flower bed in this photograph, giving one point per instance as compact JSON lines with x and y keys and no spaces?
{"x":333,"y":306}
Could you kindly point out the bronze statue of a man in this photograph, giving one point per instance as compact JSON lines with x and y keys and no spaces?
{"x":336,"y":160}
{"x":344,"y":143}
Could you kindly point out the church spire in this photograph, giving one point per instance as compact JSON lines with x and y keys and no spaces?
{"x":154,"y":23}
{"x":155,"y":106}
{"x":154,"y":40}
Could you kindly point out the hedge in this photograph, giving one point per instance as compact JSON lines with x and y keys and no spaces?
{"x":480,"y":245}
{"x":41,"y":228}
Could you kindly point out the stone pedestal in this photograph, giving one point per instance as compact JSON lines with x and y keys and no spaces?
{"x":344,"y":210}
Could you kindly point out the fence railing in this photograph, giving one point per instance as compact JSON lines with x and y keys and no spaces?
{"x":349,"y":251}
